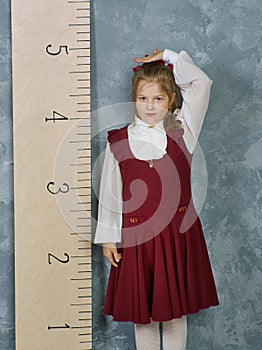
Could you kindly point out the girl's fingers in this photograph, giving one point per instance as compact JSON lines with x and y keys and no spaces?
{"x":112,"y":255}
{"x":109,"y":255}
{"x":144,"y":59}
{"x":157,"y":55}
{"x":117,"y":256}
{"x":112,"y":261}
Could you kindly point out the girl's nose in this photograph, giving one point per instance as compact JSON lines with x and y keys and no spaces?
{"x":150,"y":106}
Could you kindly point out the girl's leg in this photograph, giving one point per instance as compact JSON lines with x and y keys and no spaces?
{"x":175,"y":334}
{"x":147,"y":336}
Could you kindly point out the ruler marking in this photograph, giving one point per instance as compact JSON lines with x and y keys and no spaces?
{"x":79,"y":118}
{"x":84,"y":342}
{"x":80,"y":71}
{"x":78,"y":95}
{"x":78,"y":24}
{"x":79,"y":233}
{"x":79,"y":187}
{"x":75,"y":141}
{"x":77,"y":1}
{"x":81,"y":279}
{"x":81,"y":264}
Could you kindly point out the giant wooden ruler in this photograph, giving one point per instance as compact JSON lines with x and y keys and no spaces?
{"x":52,"y":174}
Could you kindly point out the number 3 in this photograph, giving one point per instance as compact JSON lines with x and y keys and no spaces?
{"x":59,"y":189}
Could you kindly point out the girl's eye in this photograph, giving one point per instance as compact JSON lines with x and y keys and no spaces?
{"x":142,"y":98}
{"x":159,"y":99}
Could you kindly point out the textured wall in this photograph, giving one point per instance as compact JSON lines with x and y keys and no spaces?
{"x":6,"y":185}
{"x":223,"y":38}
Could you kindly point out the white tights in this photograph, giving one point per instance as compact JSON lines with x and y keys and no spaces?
{"x":147,"y":336}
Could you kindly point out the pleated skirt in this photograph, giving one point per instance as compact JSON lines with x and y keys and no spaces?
{"x":164,"y":278}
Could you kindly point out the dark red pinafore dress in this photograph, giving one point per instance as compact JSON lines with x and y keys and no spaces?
{"x":165,"y":271}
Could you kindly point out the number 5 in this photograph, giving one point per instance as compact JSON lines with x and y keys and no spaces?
{"x":58,"y":52}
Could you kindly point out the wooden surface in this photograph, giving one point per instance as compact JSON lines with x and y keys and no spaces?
{"x":52,"y":172}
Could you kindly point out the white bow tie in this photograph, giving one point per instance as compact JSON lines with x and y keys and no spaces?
{"x":147,"y":141}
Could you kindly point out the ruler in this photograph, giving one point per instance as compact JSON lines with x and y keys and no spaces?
{"x":52,"y":174}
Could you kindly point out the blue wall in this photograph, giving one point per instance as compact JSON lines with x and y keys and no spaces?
{"x":223,"y":38}
{"x":6,"y":185}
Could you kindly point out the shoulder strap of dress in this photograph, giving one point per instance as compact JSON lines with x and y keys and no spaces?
{"x":118,"y":141}
{"x":115,"y":135}
{"x":176,"y":134}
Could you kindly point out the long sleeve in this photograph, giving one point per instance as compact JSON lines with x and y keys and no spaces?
{"x":110,"y":201}
{"x":195,"y":88}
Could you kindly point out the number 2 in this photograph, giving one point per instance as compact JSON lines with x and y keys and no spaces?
{"x":60,"y":260}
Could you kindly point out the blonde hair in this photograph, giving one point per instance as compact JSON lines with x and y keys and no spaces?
{"x":163,"y":76}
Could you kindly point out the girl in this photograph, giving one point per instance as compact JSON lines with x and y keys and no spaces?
{"x":147,"y":222}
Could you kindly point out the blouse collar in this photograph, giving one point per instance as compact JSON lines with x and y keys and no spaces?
{"x":159,"y":125}
{"x":140,"y":125}
{"x":153,"y":137}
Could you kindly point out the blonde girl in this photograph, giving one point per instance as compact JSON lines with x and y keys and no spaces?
{"x":150,"y":231}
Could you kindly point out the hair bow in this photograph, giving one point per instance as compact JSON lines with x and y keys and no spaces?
{"x":161,"y":62}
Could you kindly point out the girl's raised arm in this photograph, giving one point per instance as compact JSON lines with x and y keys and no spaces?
{"x":195,"y":88}
{"x":109,"y":223}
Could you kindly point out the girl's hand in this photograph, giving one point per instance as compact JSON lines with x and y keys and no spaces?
{"x":110,"y":252}
{"x":157,"y":55}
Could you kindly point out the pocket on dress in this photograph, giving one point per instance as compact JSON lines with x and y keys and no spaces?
{"x":132,"y":220}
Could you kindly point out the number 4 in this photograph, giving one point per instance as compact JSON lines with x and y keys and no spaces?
{"x":62,"y":117}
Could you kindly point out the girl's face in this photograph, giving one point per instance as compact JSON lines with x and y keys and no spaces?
{"x":151,"y":103}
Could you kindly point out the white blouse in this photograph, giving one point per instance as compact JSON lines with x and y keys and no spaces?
{"x":150,"y":143}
